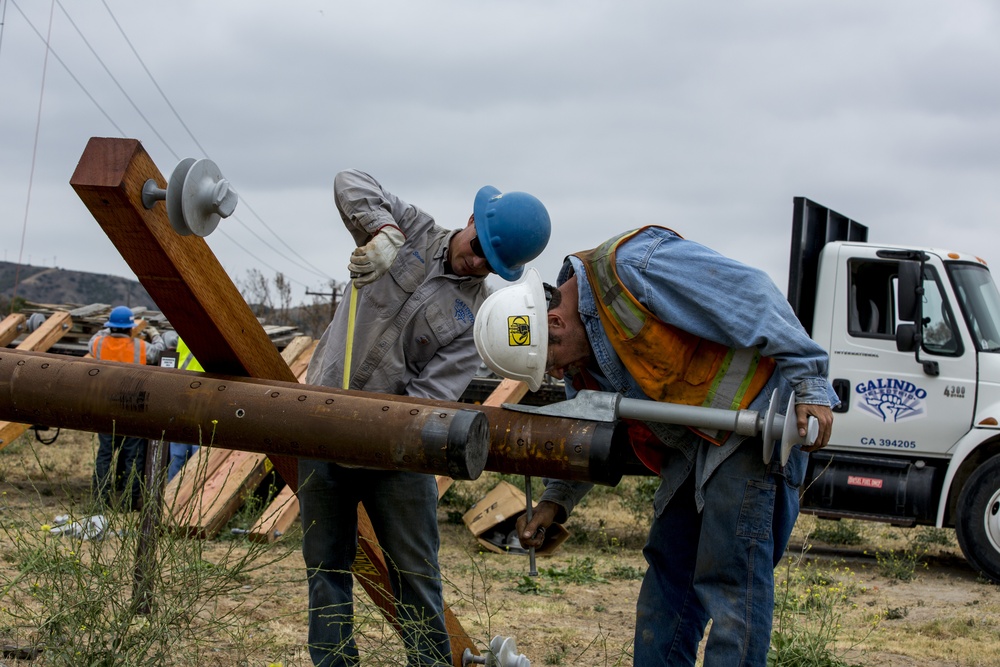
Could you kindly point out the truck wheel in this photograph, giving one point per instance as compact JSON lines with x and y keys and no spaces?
{"x":978,"y":526}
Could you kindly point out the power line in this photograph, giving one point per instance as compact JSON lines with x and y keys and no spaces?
{"x":50,"y":50}
{"x":34,"y":156}
{"x":3,"y":22}
{"x":312,"y":268}
{"x":112,"y":77}
{"x":142,"y":63}
{"x":237,"y":244}
{"x":304,"y":265}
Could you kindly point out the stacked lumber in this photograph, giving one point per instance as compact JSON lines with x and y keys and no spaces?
{"x":89,"y":319}
{"x":40,"y":340}
{"x":283,"y":511}
{"x":214,"y":484}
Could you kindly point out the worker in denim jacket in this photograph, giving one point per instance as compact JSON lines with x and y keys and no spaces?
{"x":650,"y":315}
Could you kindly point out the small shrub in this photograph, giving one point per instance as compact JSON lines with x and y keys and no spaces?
{"x":810,"y":605}
{"x":578,"y":571}
{"x":844,"y":532}
{"x":931,"y":536}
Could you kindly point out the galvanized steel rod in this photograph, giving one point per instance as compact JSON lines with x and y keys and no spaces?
{"x":744,"y":422}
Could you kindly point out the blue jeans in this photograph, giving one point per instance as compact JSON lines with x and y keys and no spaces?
{"x":127,"y":479}
{"x":402,"y":507}
{"x":180,"y":452}
{"x":718,"y":564}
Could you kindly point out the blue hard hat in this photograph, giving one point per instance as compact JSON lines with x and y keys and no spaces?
{"x":513,"y":229}
{"x":121,"y":318}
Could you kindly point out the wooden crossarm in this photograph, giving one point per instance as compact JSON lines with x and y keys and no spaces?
{"x":10,"y":328}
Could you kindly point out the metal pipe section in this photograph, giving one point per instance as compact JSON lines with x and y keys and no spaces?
{"x":273,"y":417}
{"x":575,"y":449}
{"x":743,"y":422}
{"x":525,"y":443}
{"x":269,"y":417}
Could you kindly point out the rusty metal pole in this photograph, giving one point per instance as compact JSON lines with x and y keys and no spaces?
{"x":283,"y":418}
{"x":355,"y":428}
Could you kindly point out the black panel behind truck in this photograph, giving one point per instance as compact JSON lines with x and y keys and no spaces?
{"x":914,"y":342}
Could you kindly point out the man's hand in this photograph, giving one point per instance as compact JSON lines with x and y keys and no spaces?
{"x":151,"y":332}
{"x":532,"y":533}
{"x":372,"y":260}
{"x":823,"y":415}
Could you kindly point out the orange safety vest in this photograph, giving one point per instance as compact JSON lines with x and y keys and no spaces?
{"x":116,"y":348}
{"x":668,"y":363}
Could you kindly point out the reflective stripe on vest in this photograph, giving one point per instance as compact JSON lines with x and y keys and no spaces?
{"x":670,"y":364}
{"x":115,"y":348}
{"x":186,"y":360}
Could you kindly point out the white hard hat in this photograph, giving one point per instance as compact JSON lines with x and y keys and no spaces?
{"x":512,"y":333}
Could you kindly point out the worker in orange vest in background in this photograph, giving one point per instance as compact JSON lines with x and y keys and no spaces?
{"x":121,"y":459}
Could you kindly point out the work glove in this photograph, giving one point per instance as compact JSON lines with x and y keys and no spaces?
{"x":152,"y":332}
{"x":372,"y":260}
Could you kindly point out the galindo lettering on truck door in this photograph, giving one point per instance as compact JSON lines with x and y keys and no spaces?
{"x":891,"y":399}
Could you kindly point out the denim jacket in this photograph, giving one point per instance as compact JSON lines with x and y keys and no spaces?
{"x":413,"y":327}
{"x":696,"y":289}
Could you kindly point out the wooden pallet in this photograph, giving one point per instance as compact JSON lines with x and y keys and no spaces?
{"x":39,"y":340}
{"x":218,"y":482}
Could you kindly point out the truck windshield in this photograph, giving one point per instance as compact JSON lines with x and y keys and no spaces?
{"x":980,"y":303}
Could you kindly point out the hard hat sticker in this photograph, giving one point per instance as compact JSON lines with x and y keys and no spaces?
{"x":518,"y":331}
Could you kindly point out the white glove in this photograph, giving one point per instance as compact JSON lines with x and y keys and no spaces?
{"x":88,"y":528}
{"x":372,"y":260}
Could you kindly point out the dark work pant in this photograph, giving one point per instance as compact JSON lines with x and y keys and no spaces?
{"x":121,"y":478}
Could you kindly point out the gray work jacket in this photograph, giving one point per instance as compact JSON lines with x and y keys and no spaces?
{"x":413,"y":328}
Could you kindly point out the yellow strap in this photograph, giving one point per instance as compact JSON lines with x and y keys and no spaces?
{"x":350,"y":335}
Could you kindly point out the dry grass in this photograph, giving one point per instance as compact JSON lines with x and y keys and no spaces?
{"x":579,"y":611}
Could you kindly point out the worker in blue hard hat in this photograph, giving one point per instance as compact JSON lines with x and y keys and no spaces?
{"x":121,"y":479}
{"x":420,"y":287}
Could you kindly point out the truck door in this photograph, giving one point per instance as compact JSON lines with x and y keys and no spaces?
{"x":890,"y":402}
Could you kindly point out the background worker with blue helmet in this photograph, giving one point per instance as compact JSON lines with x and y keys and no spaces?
{"x":120,"y":478}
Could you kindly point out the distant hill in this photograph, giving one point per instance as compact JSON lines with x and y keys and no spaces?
{"x":43,"y":285}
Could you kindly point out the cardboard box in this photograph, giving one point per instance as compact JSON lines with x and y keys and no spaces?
{"x":493,"y":520}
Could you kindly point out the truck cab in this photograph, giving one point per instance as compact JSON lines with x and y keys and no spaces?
{"x":913,"y":336}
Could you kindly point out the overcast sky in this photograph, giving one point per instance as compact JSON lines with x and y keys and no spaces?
{"x":704,"y":117}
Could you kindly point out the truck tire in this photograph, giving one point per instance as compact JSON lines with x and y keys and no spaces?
{"x":978,"y":525}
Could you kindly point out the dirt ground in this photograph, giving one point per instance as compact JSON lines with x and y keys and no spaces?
{"x":579,"y":610}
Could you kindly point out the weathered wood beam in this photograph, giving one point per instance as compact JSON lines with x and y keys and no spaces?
{"x":190,"y":287}
{"x":181,"y":273}
{"x":10,"y":328}
{"x":280,"y":515}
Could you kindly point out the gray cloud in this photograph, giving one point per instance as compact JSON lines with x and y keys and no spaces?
{"x":616,"y":115}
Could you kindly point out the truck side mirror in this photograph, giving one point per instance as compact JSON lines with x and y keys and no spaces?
{"x":910,"y":290}
{"x":906,"y":337}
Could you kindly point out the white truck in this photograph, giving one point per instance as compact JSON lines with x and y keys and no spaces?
{"x":914,"y":342}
